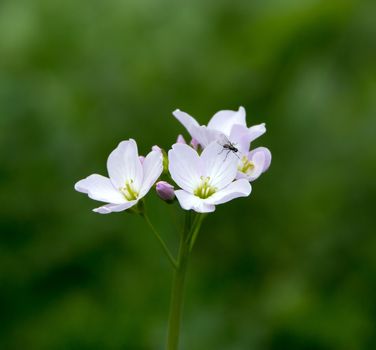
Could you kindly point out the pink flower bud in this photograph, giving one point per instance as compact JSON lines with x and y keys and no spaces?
{"x":165,"y":191}
{"x":194,"y":144}
{"x":181,"y":139}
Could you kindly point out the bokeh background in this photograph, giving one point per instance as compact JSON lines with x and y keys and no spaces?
{"x":291,"y":267}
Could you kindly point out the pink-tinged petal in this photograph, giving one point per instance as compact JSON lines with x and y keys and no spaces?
{"x":124,"y":165}
{"x":152,"y":169}
{"x":141,"y":158}
{"x":185,"y":119}
{"x":204,"y":135}
{"x":188,"y":201}
{"x":260,"y":159}
{"x":114,"y":208}
{"x":243,"y":136}
{"x":184,"y":166}
{"x":256,"y":131}
{"x":181,"y":139}
{"x":99,"y":188}
{"x":223,"y":121}
{"x":219,"y":164}
{"x":236,"y":189}
{"x":237,"y":136}
{"x":241,"y":175}
{"x":267,"y":157}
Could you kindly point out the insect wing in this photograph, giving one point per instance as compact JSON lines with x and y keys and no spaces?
{"x":223,"y":140}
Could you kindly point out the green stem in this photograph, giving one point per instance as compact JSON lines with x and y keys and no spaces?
{"x":196,"y":230}
{"x":161,"y":241}
{"x":191,"y":228}
{"x":176,"y":306}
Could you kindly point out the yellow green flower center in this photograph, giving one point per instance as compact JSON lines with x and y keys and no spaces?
{"x":246,"y":165}
{"x":204,"y":189}
{"x":128,"y":191}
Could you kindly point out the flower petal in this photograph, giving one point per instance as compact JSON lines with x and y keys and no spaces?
{"x":184,"y":166}
{"x":188,"y":201}
{"x":114,"y":208}
{"x":99,"y":188}
{"x":236,"y":189}
{"x":204,"y":135}
{"x":223,"y":121}
{"x":237,"y":136}
{"x":219,"y":164}
{"x":261,"y":158}
{"x":267,"y":157}
{"x":243,"y":136}
{"x":185,"y":119}
{"x":152,"y":170}
{"x":124,"y":165}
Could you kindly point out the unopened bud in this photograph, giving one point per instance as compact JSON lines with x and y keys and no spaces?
{"x":181,"y":139}
{"x":165,"y":191}
{"x":194,"y":144}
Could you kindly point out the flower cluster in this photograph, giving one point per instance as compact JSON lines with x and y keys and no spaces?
{"x":216,"y":167}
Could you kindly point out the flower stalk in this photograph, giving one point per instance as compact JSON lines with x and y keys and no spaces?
{"x":161,"y":241}
{"x":191,"y":228}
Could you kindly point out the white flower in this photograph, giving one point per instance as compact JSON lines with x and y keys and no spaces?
{"x":206,"y":180}
{"x":130,"y":179}
{"x":233,"y":125}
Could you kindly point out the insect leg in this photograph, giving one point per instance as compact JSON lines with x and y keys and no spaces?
{"x":221,"y":151}
{"x":226,"y":155}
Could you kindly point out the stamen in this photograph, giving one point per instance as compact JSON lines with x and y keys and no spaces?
{"x":128,"y":191}
{"x":246,"y":166}
{"x":204,"y":189}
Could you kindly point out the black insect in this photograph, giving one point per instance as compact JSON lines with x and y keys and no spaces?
{"x":227,"y":146}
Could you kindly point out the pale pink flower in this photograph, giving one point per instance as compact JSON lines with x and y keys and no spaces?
{"x":206,"y":180}
{"x":231,"y":124}
{"x":129,"y":180}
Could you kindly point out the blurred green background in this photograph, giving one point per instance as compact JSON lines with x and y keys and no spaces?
{"x":291,"y":267}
